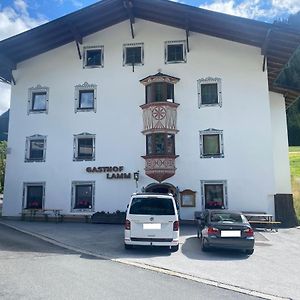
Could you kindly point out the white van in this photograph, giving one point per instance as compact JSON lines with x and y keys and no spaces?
{"x":152,"y":220}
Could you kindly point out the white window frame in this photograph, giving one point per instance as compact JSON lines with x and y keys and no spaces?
{"x":75,"y":146}
{"x":210,"y":80}
{"x":184,"y":49}
{"x":211,"y":131}
{"x":35,"y":90}
{"x":87,"y":48}
{"x":26,"y":185}
{"x":225,"y":191}
{"x":73,"y":198}
{"x":85,"y":87}
{"x":133,"y":45}
{"x":27,"y":147}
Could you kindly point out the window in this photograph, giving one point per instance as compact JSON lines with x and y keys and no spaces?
{"x":175,"y":52}
{"x":84,"y":146}
{"x":33,"y":195}
{"x":85,"y":97}
{"x":211,"y":143}
{"x":214,"y":194}
{"x":38,"y":99}
{"x":133,"y":54}
{"x":159,"y":92}
{"x":93,"y":57}
{"x":160,"y":144}
{"x":35,"y":148}
{"x":83,"y":196}
{"x":209,"y":92}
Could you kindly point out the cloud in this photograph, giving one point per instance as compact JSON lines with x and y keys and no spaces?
{"x":13,"y":20}
{"x":255,"y":9}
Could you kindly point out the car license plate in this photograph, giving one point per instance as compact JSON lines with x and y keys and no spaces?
{"x":230,"y":233}
{"x":152,"y":226}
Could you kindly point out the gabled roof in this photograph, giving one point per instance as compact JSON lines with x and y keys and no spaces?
{"x":277,"y":41}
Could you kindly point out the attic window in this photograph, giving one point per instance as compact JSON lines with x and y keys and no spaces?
{"x":93,"y":57}
{"x":175,"y":52}
{"x":133,"y":54}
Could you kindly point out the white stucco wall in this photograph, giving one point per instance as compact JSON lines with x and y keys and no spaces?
{"x":280,"y":144}
{"x":244,"y":118}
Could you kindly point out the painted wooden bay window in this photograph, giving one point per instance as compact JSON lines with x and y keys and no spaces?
{"x":38,"y":98}
{"x":35,"y":148}
{"x":83,"y":196}
{"x":160,"y":144}
{"x":175,"y":52}
{"x":133,"y":54}
{"x":214,"y":194}
{"x":211,"y":143}
{"x":160,"y":92}
{"x":84,"y":147}
{"x":33,"y":195}
{"x":209,"y":92}
{"x":93,"y":57}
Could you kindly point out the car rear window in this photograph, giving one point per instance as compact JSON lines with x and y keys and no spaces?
{"x":152,"y":206}
{"x":227,"y":217}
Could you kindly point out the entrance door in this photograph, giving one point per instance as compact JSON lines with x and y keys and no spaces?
{"x":163,"y":188}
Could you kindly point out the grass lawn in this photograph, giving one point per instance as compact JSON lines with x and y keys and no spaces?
{"x":295,"y":174}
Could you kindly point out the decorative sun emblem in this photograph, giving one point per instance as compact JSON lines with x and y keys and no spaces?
{"x":159,"y":113}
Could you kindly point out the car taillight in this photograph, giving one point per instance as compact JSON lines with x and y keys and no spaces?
{"x":176,"y":226}
{"x":249,"y":232}
{"x":127,"y":225}
{"x":212,"y":230}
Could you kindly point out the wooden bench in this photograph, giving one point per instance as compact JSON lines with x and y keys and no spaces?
{"x":271,"y":225}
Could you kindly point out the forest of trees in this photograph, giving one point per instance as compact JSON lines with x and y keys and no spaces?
{"x":290,"y":78}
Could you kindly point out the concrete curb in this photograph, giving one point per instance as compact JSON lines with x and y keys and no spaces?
{"x":152,"y":268}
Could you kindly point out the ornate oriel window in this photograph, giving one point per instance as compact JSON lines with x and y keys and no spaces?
{"x":209,"y":92}
{"x":33,"y":195}
{"x":38,"y":99}
{"x":175,"y":52}
{"x":84,"y":147}
{"x":83,"y":196}
{"x":85,"y":97}
{"x":93,"y":57}
{"x":35,"y":148}
{"x":160,"y":92}
{"x":133,"y":54}
{"x":214,"y":194}
{"x":160,"y":144}
{"x":211,"y":143}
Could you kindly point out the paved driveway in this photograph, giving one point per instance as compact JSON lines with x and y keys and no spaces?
{"x":273,"y":269}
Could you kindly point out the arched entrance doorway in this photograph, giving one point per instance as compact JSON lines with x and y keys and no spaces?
{"x":162,"y":188}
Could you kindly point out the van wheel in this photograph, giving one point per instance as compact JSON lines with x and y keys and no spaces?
{"x":174,"y":248}
{"x":127,"y":246}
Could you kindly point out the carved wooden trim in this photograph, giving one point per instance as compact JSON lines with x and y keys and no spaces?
{"x":159,"y":77}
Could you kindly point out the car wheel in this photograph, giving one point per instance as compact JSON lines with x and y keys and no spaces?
{"x":204,"y":246}
{"x":249,"y":251}
{"x":127,"y":246}
{"x":174,"y":248}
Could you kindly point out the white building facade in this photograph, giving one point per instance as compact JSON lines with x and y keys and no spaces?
{"x":194,"y":117}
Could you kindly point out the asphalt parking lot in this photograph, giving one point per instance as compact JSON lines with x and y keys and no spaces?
{"x":273,"y":269}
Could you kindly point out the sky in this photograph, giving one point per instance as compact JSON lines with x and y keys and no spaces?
{"x":17,"y":16}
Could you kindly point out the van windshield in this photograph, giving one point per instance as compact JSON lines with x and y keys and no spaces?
{"x":152,"y":206}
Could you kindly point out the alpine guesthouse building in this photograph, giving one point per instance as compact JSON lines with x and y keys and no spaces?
{"x":152,"y":96}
